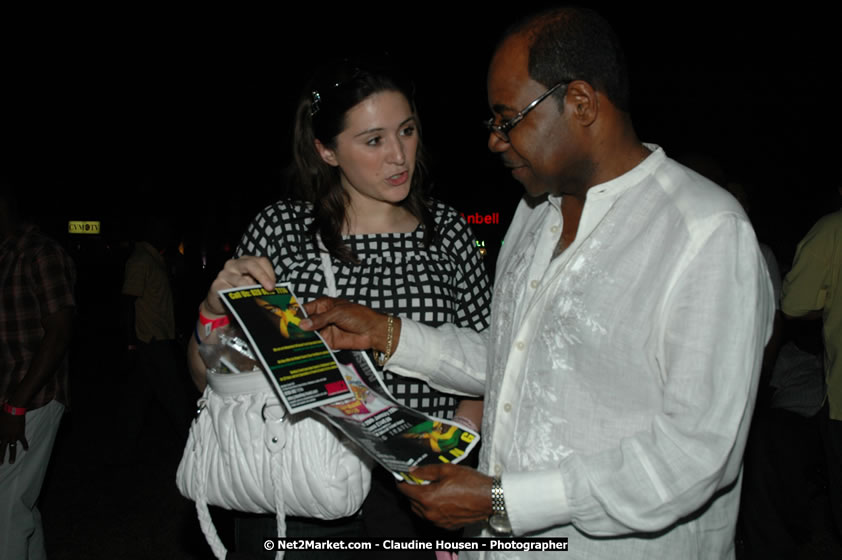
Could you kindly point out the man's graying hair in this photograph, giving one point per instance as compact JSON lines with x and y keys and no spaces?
{"x":572,"y":43}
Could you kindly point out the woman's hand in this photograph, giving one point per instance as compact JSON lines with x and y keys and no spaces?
{"x":244,"y":271}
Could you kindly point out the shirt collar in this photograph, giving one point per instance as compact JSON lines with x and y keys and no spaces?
{"x":619,"y":184}
{"x":630,"y":178}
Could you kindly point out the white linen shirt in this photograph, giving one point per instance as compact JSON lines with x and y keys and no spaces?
{"x":619,"y":377}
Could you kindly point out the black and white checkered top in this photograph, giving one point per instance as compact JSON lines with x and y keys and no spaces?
{"x":445,"y":283}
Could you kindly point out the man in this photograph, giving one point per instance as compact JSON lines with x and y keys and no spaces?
{"x":811,"y":291}
{"x":631,"y":309}
{"x":36,"y":316}
{"x":149,"y":323}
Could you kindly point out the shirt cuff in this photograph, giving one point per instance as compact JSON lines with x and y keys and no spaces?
{"x":419,"y":350}
{"x":535,"y":500}
{"x":410,"y":351}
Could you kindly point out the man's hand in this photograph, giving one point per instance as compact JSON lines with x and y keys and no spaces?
{"x":58,"y":331}
{"x":349,"y":326}
{"x":12,"y":431}
{"x":456,"y":496}
{"x":243,"y":271}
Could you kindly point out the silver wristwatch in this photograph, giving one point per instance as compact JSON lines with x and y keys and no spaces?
{"x":499,"y":520}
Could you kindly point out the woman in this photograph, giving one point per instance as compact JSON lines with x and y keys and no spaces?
{"x":360,"y":194}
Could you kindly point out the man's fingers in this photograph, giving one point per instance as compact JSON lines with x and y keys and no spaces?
{"x":336,"y":339}
{"x":416,"y":491}
{"x":315,"y":321}
{"x":320,"y":313}
{"x":417,"y":508}
{"x":319,"y":305}
{"x":428,"y":472}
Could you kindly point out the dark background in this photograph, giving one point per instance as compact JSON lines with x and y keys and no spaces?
{"x":111,"y":114}
{"x":115,"y":114}
{"x":118,"y":114}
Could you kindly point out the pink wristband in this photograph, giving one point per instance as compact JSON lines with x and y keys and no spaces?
{"x":13,"y":410}
{"x":211,"y":325}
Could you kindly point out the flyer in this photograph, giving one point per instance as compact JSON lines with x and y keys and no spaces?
{"x":396,"y":436}
{"x":298,"y":362}
{"x":341,"y":387}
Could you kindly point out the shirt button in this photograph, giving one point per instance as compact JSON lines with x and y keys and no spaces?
{"x":507,"y":407}
{"x":554,"y":229}
{"x":498,"y":469}
{"x":534,"y":284}
{"x":520,"y":345}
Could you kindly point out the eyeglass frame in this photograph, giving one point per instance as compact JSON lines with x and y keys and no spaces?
{"x":502,"y":130}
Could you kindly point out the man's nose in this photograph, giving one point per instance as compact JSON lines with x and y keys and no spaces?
{"x":496,"y":144}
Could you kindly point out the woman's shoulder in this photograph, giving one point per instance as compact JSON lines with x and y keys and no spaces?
{"x":453,"y":234}
{"x":444,"y":214}
{"x":449,"y":221}
{"x":280,"y":228}
{"x":290,"y":214}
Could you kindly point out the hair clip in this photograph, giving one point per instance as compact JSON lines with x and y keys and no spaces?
{"x":314,"y":104}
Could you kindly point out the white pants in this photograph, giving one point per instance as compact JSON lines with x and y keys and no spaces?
{"x":21,"y":533}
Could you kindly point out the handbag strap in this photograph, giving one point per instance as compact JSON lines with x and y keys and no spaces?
{"x":275,"y":469}
{"x":208,"y":528}
{"x":205,"y":519}
{"x":280,"y":516}
{"x":203,"y":512}
{"x":279,"y":442}
{"x":327,"y":268}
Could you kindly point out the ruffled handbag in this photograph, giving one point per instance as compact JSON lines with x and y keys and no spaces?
{"x":244,"y":454}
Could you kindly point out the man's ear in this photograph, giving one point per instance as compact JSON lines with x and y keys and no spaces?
{"x":327,"y":155}
{"x":583,"y":100}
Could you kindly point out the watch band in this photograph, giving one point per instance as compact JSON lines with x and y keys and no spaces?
{"x":498,"y":501}
{"x":499,"y":520}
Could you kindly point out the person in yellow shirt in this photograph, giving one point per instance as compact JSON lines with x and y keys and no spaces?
{"x":811,"y":291}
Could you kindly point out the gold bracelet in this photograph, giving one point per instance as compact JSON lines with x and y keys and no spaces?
{"x":383,"y":357}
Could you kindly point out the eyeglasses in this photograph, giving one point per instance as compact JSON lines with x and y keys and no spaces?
{"x":502,"y":130}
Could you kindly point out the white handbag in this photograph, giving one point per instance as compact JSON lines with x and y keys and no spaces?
{"x":244,"y":454}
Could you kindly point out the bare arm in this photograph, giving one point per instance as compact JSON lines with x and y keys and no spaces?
{"x":53,"y":347}
{"x":471,"y":410}
{"x":243,"y":271}
{"x":198,"y":371}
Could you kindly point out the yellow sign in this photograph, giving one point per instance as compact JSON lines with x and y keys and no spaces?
{"x":85,"y":228}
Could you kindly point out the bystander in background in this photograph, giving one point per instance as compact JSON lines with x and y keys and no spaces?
{"x":811,"y":291}
{"x":154,"y":376}
{"x":37,"y":307}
